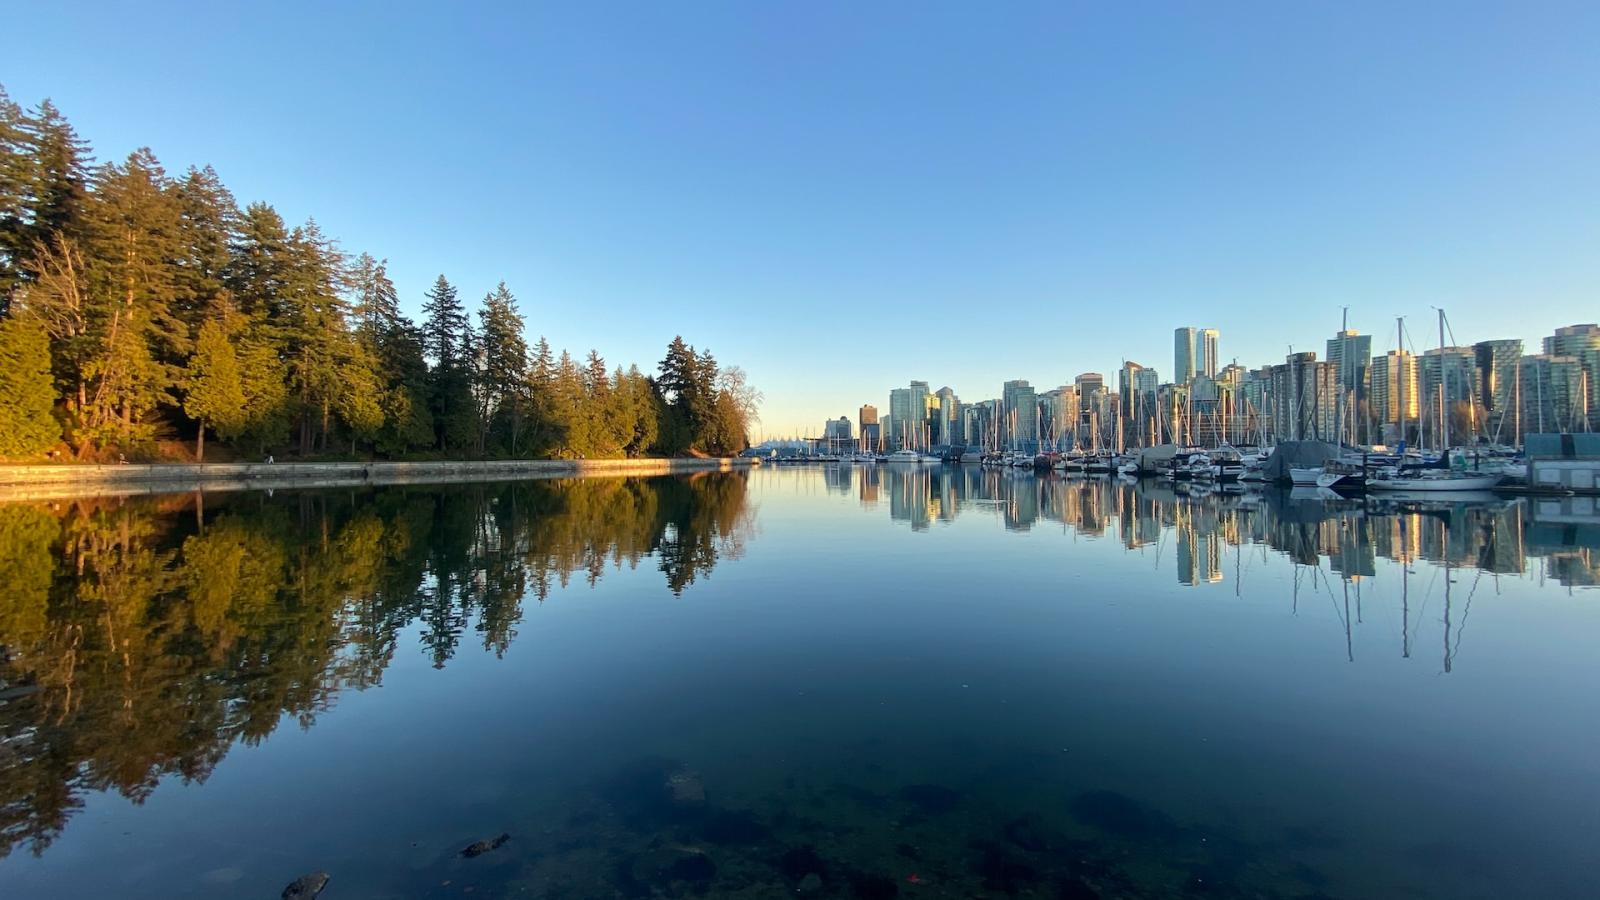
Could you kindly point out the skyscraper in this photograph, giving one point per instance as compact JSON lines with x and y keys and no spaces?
{"x":1183,"y":354}
{"x":1394,"y":392}
{"x":1446,"y":375}
{"x":1581,"y":342}
{"x":1020,"y":411}
{"x":1304,"y":399}
{"x":1498,"y":379}
{"x":1350,"y":354}
{"x":1206,"y":349}
{"x":871,"y":431}
{"x":908,"y":413}
{"x":1552,"y":394}
{"x":950,"y":430}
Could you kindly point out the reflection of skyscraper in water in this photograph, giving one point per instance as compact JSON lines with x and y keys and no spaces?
{"x":1022,"y":506}
{"x":870,"y":476}
{"x":838,"y":478}
{"x":1188,"y":550}
{"x":908,"y":496}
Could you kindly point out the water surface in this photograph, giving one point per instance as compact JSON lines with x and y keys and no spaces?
{"x":847,"y":683}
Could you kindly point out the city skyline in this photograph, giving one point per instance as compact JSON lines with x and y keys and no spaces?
{"x":1499,"y":387}
{"x":1252,"y":169}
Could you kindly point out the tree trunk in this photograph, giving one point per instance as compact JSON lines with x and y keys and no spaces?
{"x":200,"y":443}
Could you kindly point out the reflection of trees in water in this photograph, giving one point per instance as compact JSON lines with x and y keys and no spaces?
{"x":143,"y":640}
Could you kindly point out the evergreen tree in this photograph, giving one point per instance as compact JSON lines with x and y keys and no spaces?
{"x":504,"y":374}
{"x":26,"y":426}
{"x":447,"y":339}
{"x":132,"y":281}
{"x":16,"y":166}
{"x":214,"y":385}
{"x":207,"y":219}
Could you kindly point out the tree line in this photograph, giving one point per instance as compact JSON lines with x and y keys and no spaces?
{"x":138,"y":308}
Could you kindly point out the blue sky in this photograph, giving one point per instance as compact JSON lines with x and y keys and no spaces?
{"x":844,"y":197}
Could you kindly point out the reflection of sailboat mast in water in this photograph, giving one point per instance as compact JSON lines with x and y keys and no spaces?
{"x":1405,"y":611}
{"x":1447,"y":659}
{"x":1349,"y":645}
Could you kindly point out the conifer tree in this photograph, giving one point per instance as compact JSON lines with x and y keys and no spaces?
{"x":214,"y":385}
{"x":26,"y":425}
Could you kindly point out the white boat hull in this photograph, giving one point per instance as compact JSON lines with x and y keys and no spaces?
{"x":1452,"y":483}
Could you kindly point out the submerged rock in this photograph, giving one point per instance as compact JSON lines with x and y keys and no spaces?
{"x":306,"y":887}
{"x":686,"y":788}
{"x":479,"y":848}
{"x":811,"y":884}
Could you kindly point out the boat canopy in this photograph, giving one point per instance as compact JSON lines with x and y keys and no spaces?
{"x":1153,"y":458}
{"x":1297,"y":455}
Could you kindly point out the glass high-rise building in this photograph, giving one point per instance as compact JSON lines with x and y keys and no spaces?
{"x":951,"y":429}
{"x":1553,"y":394}
{"x":1498,"y":366}
{"x":908,"y":413}
{"x":1020,"y":412}
{"x":1207,"y":360}
{"x":1394,"y":390}
{"x":1581,"y":342}
{"x":1183,"y":354}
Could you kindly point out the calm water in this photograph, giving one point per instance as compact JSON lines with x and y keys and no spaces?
{"x":955,"y":683}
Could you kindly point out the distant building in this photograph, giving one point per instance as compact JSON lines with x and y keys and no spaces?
{"x":1350,"y":353}
{"x":1183,"y":354}
{"x":1021,"y":415}
{"x":1448,"y":375}
{"x":950,"y":429}
{"x":1581,"y":342}
{"x":1499,"y":377}
{"x":1553,"y":393}
{"x":982,"y":423}
{"x":1136,"y":389}
{"x":1206,"y":352}
{"x":908,"y":413}
{"x":1304,"y":397}
{"x":871,"y":433}
{"x":1394,"y":392}
{"x":837,"y":429}
{"x":1058,"y":417}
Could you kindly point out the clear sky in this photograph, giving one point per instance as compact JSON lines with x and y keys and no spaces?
{"x":844,"y":197}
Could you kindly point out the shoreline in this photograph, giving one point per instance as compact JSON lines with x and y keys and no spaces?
{"x":46,"y":482}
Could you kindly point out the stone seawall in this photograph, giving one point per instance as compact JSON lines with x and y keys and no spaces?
{"x":44,"y":482}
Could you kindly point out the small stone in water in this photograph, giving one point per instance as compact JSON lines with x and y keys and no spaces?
{"x":484,"y":846}
{"x":306,"y":887}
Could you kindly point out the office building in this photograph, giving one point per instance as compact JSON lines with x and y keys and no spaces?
{"x":1206,"y":352}
{"x":1304,"y":398}
{"x":949,"y":428}
{"x":1183,"y":354}
{"x":1020,"y":409}
{"x":907,"y":421}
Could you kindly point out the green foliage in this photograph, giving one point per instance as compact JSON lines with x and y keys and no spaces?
{"x":215,"y":385}
{"x":26,"y":426}
{"x":169,"y":311}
